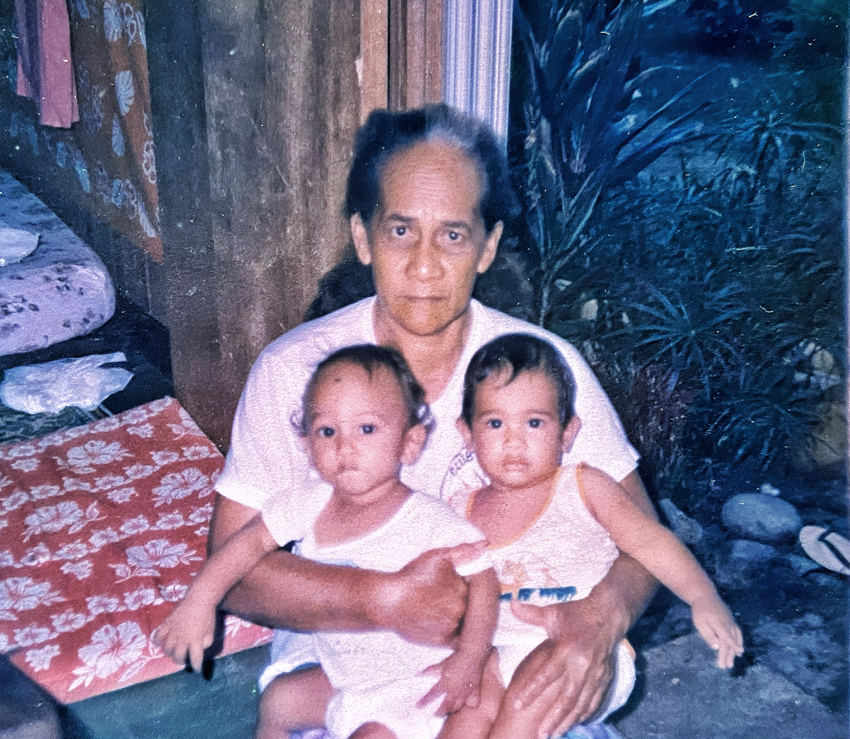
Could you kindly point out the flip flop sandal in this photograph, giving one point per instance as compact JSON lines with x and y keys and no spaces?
{"x":826,"y":547}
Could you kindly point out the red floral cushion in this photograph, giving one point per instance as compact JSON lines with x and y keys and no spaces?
{"x":101,"y":529}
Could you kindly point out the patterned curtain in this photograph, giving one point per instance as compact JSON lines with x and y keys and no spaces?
{"x":108,"y":155}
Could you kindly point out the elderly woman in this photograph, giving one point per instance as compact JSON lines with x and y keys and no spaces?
{"x":428,"y":198}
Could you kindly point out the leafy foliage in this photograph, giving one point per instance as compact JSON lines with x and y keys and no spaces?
{"x":702,"y":287}
{"x":708,"y":325}
{"x":574,"y":132}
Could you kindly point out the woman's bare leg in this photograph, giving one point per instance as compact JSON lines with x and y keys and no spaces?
{"x":294,"y":702}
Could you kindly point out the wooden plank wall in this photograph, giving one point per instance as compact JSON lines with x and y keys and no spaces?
{"x":415,"y":53}
{"x":255,"y":108}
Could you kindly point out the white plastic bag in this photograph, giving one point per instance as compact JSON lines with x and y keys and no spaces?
{"x":52,"y":386}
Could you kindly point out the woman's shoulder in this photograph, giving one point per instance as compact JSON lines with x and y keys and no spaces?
{"x":281,"y":371}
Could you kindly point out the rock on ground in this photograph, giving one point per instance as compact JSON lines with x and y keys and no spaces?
{"x":761,"y":517}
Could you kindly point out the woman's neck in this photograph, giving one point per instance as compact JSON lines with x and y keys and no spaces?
{"x":433,"y":358}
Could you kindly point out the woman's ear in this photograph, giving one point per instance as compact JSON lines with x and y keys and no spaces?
{"x":360,"y":237}
{"x":465,"y":432}
{"x":570,"y":433}
{"x":490,"y":247}
{"x":414,"y":442}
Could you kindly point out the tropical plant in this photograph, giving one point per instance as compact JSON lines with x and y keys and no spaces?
{"x":575,"y":132}
{"x":686,"y":332}
{"x":719,"y":298}
{"x":773,"y":144}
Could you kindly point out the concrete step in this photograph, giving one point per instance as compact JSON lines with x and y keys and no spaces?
{"x":681,"y":693}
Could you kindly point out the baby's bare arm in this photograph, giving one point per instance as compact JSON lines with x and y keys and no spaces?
{"x":189,"y":628}
{"x":482,"y":613}
{"x":462,"y":671}
{"x":658,"y":549}
{"x":717,"y":626}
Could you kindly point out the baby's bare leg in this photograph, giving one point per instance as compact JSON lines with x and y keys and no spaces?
{"x":294,"y":702}
{"x":475,"y":723}
{"x":373,"y":730}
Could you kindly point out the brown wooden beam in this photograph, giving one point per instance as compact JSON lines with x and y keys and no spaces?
{"x":374,"y":55}
{"x":253,"y":183}
{"x":415,"y":53}
{"x":433,"y":82}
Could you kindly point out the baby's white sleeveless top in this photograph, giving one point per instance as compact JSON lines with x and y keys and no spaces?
{"x":559,"y":557}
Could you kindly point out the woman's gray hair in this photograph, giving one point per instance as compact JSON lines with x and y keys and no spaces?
{"x":385,"y":134}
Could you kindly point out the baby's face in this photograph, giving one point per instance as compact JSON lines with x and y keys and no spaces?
{"x":357,"y":437}
{"x":516,"y":433}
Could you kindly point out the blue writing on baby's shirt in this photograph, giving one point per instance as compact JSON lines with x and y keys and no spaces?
{"x":546,"y":595}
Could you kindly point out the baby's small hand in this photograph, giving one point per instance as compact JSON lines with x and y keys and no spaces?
{"x":460,"y":681}
{"x":186,"y":633}
{"x":717,"y":626}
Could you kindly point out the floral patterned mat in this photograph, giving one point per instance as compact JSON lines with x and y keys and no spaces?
{"x":102,"y":527}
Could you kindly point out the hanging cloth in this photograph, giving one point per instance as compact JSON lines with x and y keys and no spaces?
{"x":45,"y":71}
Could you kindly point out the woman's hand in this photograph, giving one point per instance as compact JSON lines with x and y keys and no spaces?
{"x":425,"y":600}
{"x":578,"y":657}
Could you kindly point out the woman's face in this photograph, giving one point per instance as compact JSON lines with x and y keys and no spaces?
{"x":426,"y":242}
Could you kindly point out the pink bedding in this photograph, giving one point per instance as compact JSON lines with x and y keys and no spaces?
{"x":101,"y":529}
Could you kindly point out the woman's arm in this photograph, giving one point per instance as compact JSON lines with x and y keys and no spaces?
{"x":423,"y":602}
{"x":583,"y":637}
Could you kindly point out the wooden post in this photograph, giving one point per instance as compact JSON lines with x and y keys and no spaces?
{"x":255,"y":108}
{"x":416,"y":53}
{"x":374,"y":55}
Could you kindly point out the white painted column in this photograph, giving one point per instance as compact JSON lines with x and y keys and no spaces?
{"x":477,"y":63}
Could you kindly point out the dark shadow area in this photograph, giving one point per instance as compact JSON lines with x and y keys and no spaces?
{"x":175,"y":706}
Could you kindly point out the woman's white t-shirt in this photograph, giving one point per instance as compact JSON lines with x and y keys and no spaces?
{"x":267,"y":467}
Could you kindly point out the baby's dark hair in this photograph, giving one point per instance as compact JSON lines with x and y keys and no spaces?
{"x":518,"y":353}
{"x":371,"y":358}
